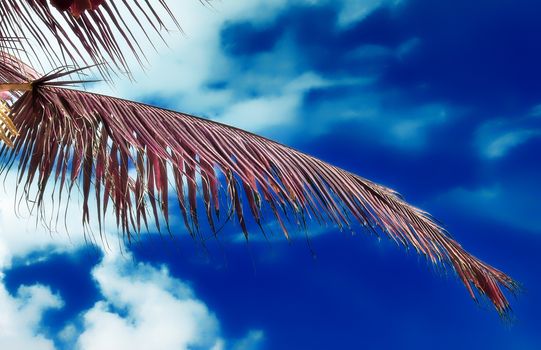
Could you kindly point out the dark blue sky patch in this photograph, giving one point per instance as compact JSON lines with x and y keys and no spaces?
{"x":68,"y":275}
{"x":326,"y":48}
{"x":217,"y":85}
{"x":522,"y":160}
{"x":356,"y":293}
{"x":245,"y":38}
{"x":480,"y":53}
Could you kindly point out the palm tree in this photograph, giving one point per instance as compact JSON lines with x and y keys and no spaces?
{"x":59,"y":137}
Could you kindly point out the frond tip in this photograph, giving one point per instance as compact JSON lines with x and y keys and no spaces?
{"x":74,"y":137}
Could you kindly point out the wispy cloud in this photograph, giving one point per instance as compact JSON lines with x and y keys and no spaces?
{"x":497,"y":138}
{"x":502,"y":144}
{"x":513,"y":204}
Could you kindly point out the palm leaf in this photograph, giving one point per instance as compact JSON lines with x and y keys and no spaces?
{"x":13,"y":70}
{"x":70,"y":137}
{"x":95,"y":33}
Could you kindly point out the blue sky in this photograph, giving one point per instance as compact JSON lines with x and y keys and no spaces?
{"x":438,"y":100}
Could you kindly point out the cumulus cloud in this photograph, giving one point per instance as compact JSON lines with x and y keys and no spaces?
{"x":142,"y":307}
{"x":145,"y":307}
{"x":158,"y":311}
{"x":21,"y":236}
{"x":21,"y":316}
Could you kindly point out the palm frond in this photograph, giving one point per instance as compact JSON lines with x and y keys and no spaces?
{"x":72,"y":137}
{"x":81,"y":30}
{"x":13,"y":70}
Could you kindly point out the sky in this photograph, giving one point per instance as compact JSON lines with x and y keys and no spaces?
{"x":439,"y":100}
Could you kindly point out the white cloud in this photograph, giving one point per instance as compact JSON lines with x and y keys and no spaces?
{"x":279,"y":109}
{"x":21,"y":316}
{"x":180,"y":75}
{"x":159,"y":312}
{"x":143,"y":307}
{"x":23,"y":231}
{"x":261,"y":113}
{"x":535,"y":111}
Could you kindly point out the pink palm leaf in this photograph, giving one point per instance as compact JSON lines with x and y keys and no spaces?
{"x":69,"y":137}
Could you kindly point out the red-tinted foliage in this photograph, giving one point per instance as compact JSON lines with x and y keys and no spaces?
{"x":70,"y":137}
{"x":76,"y":7}
{"x":62,"y":5}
